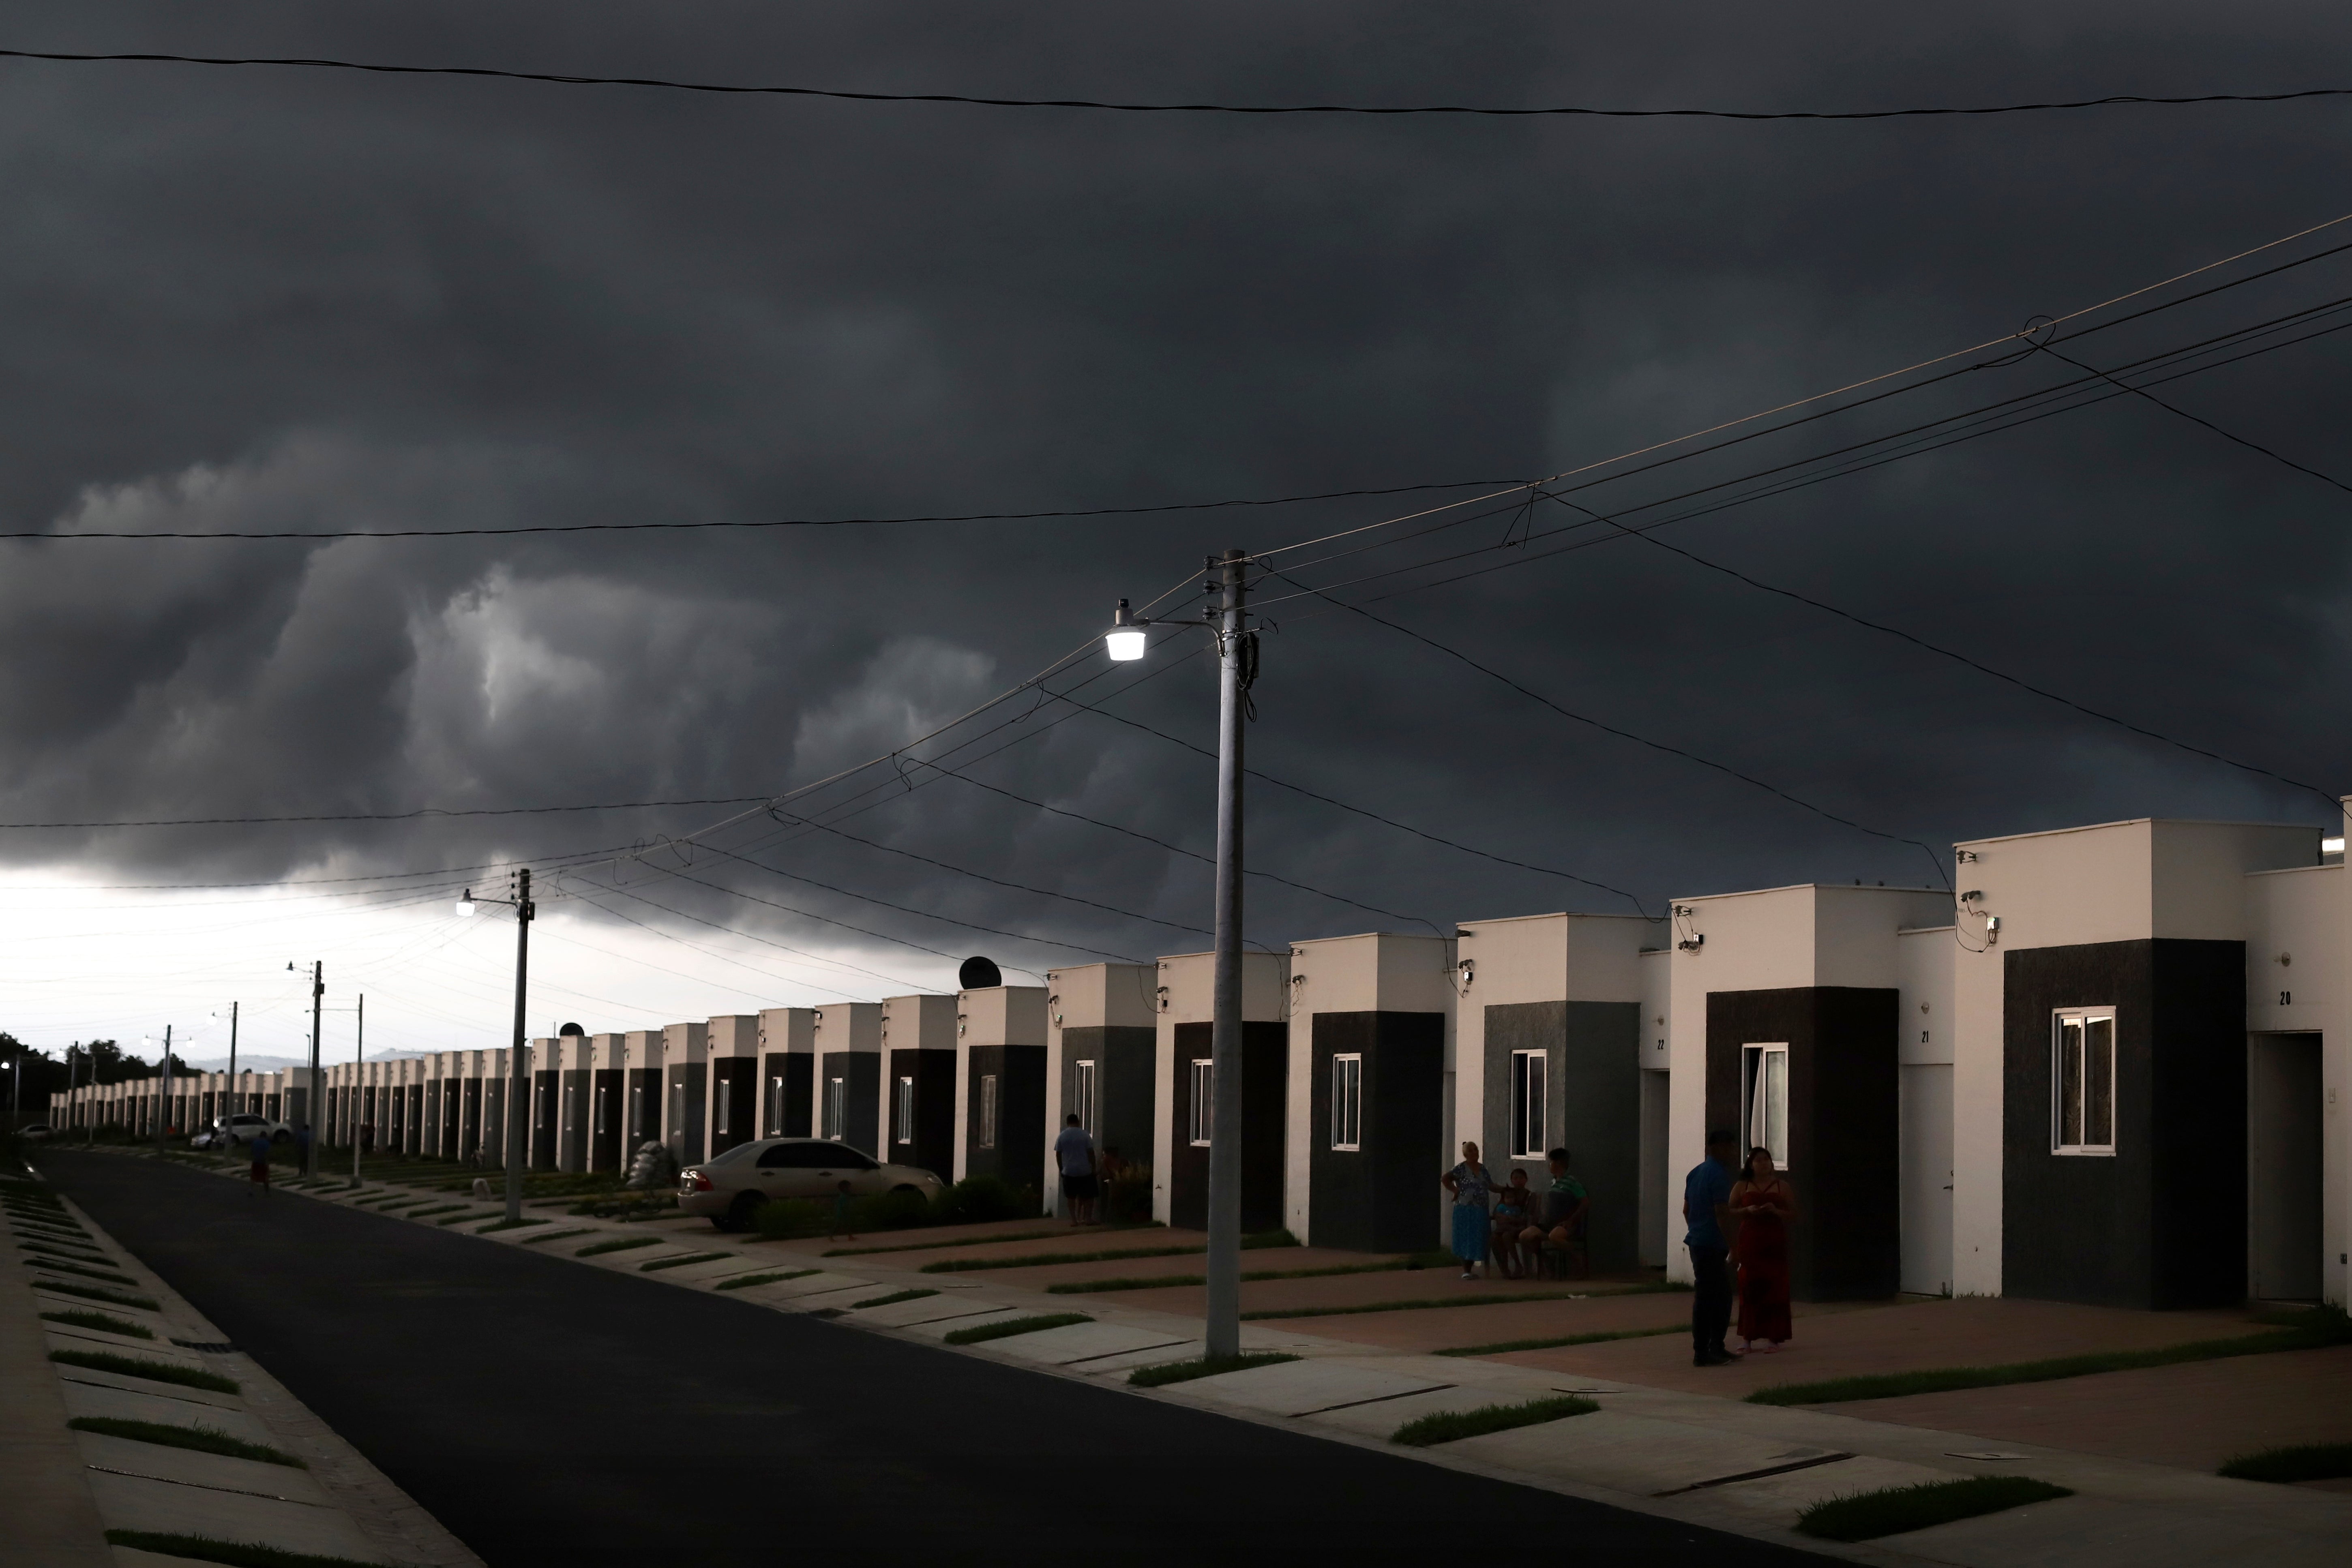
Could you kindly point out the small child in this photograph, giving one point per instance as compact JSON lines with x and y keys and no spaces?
{"x":841,"y":1232}
{"x":1510,"y":1219}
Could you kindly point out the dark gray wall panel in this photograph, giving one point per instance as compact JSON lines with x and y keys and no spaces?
{"x":1018,"y":1158}
{"x":1265,"y":1073}
{"x":1594,"y":1108}
{"x":1378,"y":1197}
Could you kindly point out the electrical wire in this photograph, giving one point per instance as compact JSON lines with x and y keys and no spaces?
{"x":670,"y":84}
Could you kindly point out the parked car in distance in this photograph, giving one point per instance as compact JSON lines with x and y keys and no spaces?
{"x":238,"y":1129}
{"x":36,"y":1133}
{"x":727,"y":1189}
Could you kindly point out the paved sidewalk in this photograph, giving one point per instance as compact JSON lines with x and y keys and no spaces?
{"x":1669,"y":1440}
{"x":335,"y":1504}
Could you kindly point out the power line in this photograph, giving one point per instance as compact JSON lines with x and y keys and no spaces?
{"x":725,"y":523}
{"x":1608,"y":728}
{"x":559,"y":78}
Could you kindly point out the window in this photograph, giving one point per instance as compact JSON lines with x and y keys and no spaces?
{"x":902,"y":1116}
{"x":725,"y":1098}
{"x":836,"y":1106}
{"x":2083,"y":1081}
{"x":1082,"y":1096}
{"x":1764,"y":1089}
{"x":799,"y":1157}
{"x":1348,"y":1102}
{"x":988,"y":1110}
{"x":1202,"y":1108}
{"x":1530,"y":1073}
{"x":775,"y":1104}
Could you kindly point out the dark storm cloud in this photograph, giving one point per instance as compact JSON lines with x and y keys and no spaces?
{"x":272,"y":299}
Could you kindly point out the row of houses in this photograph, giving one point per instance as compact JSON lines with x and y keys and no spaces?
{"x":2106,"y":1068}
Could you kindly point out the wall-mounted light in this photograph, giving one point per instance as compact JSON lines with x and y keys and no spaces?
{"x":2332,"y":846}
{"x":1693,"y":944}
{"x":1469,"y":968}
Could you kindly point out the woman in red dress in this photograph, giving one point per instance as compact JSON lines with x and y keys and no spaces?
{"x":1766,"y":1205}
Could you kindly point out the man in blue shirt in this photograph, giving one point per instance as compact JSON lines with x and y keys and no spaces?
{"x":1707,"y":1208}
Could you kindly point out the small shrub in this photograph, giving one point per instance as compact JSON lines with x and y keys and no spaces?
{"x":981,"y":1200}
{"x":102,"y":1322}
{"x":154,"y":1371}
{"x":618,"y":1244}
{"x":980,"y":1333}
{"x":203,"y":1439}
{"x":2302,"y":1462}
{"x":1453,"y":1425}
{"x":746,"y":1281}
{"x":893,"y":1299}
{"x":1127,"y":1199}
{"x":781,"y":1219}
{"x":1169,"y":1372}
{"x":1893,"y":1510}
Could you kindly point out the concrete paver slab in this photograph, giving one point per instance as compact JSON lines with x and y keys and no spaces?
{"x":160,"y":1461}
{"x":124,"y":1405}
{"x":1120,"y":1365}
{"x":62,"y":1336}
{"x":817,"y":1284}
{"x":939,"y":1328}
{"x":1779,"y":1500}
{"x":2100,"y":1533}
{"x":1632,"y":1453}
{"x":714,"y":1269}
{"x":170,"y":1507}
{"x":1381,"y":1419}
{"x":174,"y":1391}
{"x":840,"y":1297}
{"x":929,"y":1309}
{"x":1084,"y":1342}
{"x":1303,"y":1387}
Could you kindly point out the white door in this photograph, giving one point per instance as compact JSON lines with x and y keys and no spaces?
{"x":1927,"y":1118}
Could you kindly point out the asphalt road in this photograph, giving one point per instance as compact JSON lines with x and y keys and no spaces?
{"x":551,"y":1413}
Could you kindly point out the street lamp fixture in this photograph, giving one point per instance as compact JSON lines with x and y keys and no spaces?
{"x":466,"y":902}
{"x":1124,"y":642}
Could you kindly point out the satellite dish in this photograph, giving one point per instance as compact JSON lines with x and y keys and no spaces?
{"x":978,"y":975}
{"x":570,"y":1029}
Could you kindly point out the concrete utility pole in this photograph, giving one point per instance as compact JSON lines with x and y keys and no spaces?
{"x":358,"y":1063}
{"x":517,"y":1078}
{"x":70,"y":1107}
{"x":163,"y":1098}
{"x":232,"y":1049}
{"x":311,"y":1096}
{"x":1235,"y":652}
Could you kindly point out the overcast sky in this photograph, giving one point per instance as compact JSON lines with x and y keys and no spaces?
{"x":239,"y":299}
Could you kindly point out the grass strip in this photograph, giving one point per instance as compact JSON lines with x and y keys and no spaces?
{"x":555,"y":1235}
{"x":1453,"y":1425}
{"x":1257,"y":1242}
{"x":2315,"y":1331}
{"x":90,"y":1294}
{"x":504,"y":1224}
{"x":2302,"y":1462}
{"x":61,"y":1232}
{"x":41,"y":1250}
{"x":86,"y":1273}
{"x":1427,"y":1302}
{"x":618,"y":1244}
{"x":203,"y":1439}
{"x":748,"y":1281}
{"x":982,"y":1241}
{"x":101,"y":1322}
{"x":1507,"y":1346}
{"x":1169,"y":1372}
{"x":980,"y":1333}
{"x":465,"y":1219}
{"x":436,"y":1208}
{"x":660,"y":1263}
{"x":893,"y":1299}
{"x":154,"y":1371}
{"x":236,"y":1553}
{"x":1892,"y":1510}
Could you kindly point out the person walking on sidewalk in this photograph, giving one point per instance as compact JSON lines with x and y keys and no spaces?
{"x":1074,"y":1152}
{"x":1707,"y":1211}
{"x":1765,"y":1204}
{"x":1470,"y":1183}
{"x":260,"y":1148}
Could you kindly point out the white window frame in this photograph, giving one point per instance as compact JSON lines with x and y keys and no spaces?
{"x":837,"y":1108}
{"x":1764,"y":1100}
{"x":1202,"y":1110}
{"x":902,"y":1110}
{"x":2073,"y":1042}
{"x":775,"y":1105}
{"x":1082,"y":1092}
{"x":1347,"y":1102}
{"x":988,"y":1110}
{"x":1530,"y":1103}
{"x":726,"y":1108}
